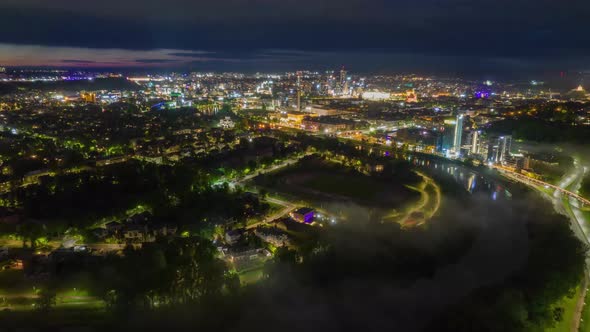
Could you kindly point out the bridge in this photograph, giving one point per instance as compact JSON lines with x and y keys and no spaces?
{"x":526,"y":179}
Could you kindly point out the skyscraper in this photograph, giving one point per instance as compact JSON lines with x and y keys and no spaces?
{"x":458,"y":134}
{"x":474,"y":143}
{"x":298,"y":91}
{"x":452,"y":135}
{"x":499,"y":148}
{"x":342,"y":76}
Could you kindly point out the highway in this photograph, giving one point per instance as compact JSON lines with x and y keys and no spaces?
{"x":569,"y":185}
{"x":560,"y":189}
{"x":570,"y":181}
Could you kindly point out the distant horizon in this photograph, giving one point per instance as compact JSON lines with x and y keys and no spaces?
{"x":365,"y":61}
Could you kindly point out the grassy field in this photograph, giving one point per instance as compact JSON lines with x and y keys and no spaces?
{"x":18,"y":293}
{"x":585,"y":323}
{"x":569,"y":306}
{"x":356,"y":187}
{"x":58,"y":318}
{"x":321,"y":181}
{"x":251,"y":276}
{"x":13,"y":282}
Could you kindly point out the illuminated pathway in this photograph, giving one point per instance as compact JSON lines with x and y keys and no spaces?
{"x":425,"y":200}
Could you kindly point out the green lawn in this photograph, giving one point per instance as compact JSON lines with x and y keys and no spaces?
{"x":569,"y":305}
{"x":585,"y":323}
{"x":59,"y":316}
{"x":322,"y":181}
{"x":251,"y":276}
{"x":357,"y":187}
{"x":13,"y":282}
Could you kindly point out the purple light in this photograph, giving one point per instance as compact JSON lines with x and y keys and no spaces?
{"x":482,"y":94}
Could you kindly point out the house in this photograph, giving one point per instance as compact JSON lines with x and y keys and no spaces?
{"x":233,"y":236}
{"x":273,"y":235}
{"x":113,"y":227}
{"x":135,"y":233}
{"x":304,"y":215}
{"x":164,"y":229}
{"x":236,"y":255}
{"x":139,"y":218}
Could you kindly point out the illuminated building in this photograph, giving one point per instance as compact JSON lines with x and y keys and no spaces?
{"x":376,"y":95}
{"x":411,"y":97}
{"x":458,"y":134}
{"x":321,"y":110}
{"x":295,"y":117}
{"x":226,"y":123}
{"x":343,"y":84}
{"x":88,"y":97}
{"x":342,"y":76}
{"x":474,"y":142}
{"x":499,"y":149}
{"x":326,"y":124}
{"x":452,"y":135}
{"x":298,"y":91}
{"x":304,"y":215}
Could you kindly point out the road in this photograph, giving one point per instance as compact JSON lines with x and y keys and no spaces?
{"x":571,"y":181}
{"x":288,"y":207}
{"x":562,"y":187}
{"x":267,"y":170}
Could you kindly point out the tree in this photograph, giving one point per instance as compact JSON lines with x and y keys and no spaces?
{"x":46,"y":298}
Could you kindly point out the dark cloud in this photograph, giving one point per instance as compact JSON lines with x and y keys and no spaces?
{"x":149,"y":61}
{"x":76,"y":61}
{"x":503,"y":29}
{"x":192,"y":54}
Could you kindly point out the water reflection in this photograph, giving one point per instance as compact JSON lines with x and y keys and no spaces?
{"x":469,"y":179}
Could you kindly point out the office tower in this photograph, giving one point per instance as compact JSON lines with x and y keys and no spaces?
{"x":452,"y":135}
{"x":499,"y":148}
{"x":458,"y":133}
{"x":298,"y":91}
{"x":474,"y":142}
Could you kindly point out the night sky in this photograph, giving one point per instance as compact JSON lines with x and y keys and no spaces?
{"x":472,"y":36}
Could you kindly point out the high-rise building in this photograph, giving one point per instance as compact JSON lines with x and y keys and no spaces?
{"x":474,"y":142}
{"x":298,"y":91}
{"x":499,"y":148}
{"x":452,"y":135}
{"x":458,"y":134}
{"x":342,"y":76}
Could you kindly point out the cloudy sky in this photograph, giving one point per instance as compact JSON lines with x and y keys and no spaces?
{"x":368,"y":34}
